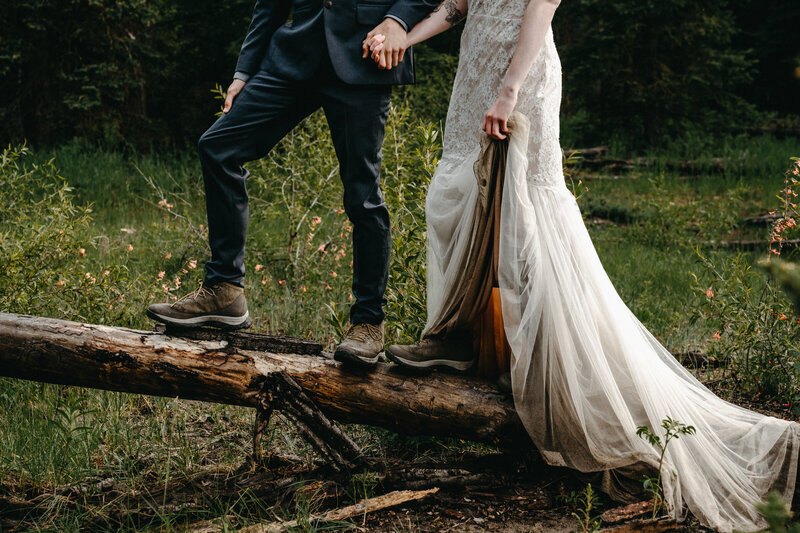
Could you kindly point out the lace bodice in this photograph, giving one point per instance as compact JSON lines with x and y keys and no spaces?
{"x":487,"y":46}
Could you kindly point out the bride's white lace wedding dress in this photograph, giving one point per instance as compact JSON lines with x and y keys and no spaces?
{"x":585,"y":372}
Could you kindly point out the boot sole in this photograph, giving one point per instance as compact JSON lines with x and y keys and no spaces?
{"x":346,"y":357}
{"x":226,"y":323}
{"x":433,"y":364}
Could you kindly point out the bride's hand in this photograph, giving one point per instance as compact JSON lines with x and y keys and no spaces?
{"x":495,"y":123}
{"x":374,"y":46}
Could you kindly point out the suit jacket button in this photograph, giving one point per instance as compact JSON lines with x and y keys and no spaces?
{"x":329,"y":4}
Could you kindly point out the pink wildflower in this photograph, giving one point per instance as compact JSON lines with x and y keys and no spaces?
{"x":710,"y":292}
{"x":716,"y":335}
{"x":259,"y":267}
{"x":160,"y":275}
{"x":167,"y":255}
{"x":130,"y":247}
{"x":192,"y":263}
{"x":82,"y":251}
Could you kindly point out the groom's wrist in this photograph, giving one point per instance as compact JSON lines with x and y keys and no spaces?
{"x":238,"y":75}
{"x":398,"y":20}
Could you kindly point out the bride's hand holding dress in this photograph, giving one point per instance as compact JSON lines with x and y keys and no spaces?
{"x":535,"y":25}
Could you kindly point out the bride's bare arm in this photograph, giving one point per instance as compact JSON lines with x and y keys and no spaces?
{"x":442,"y":18}
{"x":535,"y":23}
{"x":445,"y":16}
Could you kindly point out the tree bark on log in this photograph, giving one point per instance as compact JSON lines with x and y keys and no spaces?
{"x":154,"y":363}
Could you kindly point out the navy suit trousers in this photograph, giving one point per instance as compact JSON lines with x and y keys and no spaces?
{"x":262,"y":114}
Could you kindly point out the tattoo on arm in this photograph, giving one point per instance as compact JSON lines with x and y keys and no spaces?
{"x":435,"y":10}
{"x":454,"y":15}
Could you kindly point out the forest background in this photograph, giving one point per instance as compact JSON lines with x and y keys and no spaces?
{"x":139,"y":72}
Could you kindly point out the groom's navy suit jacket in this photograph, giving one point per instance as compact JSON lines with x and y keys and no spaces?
{"x":293,"y":49}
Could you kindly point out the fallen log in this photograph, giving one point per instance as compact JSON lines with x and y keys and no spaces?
{"x":762,"y":245}
{"x":153,"y":363}
{"x":714,"y":165}
{"x":588,"y":153}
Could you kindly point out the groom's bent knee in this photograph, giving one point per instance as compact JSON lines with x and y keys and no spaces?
{"x":218,"y":156}
{"x":206,"y":147}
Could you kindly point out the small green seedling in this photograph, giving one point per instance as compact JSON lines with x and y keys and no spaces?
{"x":672,"y":430}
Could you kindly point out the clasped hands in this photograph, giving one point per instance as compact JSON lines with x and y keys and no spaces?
{"x":386,"y":44}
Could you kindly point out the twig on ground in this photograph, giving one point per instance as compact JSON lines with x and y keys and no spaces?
{"x":363,"y":507}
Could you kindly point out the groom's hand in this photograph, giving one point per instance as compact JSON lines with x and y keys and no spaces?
{"x":233,"y":91}
{"x":393,"y":48}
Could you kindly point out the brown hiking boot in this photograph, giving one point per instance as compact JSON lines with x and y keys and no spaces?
{"x":362,"y":345}
{"x":453,"y":353}
{"x":221,"y":306}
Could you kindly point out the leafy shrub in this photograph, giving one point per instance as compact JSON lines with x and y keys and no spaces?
{"x":44,"y":267}
{"x":757,"y":330}
{"x":777,"y":514}
{"x":429,"y":99}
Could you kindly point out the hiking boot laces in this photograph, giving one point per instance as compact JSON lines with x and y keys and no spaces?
{"x":363,"y":332}
{"x":201,"y":291}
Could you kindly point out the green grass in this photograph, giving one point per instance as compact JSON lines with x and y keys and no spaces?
{"x":51,"y":436}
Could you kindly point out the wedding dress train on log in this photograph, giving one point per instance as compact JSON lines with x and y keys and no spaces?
{"x":585,"y":372}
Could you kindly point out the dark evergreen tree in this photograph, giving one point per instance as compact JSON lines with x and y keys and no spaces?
{"x":133,"y":70}
{"x":769,"y":30}
{"x":646,"y":69}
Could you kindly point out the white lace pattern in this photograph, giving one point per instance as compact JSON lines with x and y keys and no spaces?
{"x":487,"y":45}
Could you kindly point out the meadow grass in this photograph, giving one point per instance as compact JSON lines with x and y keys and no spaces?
{"x":148,"y":216}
